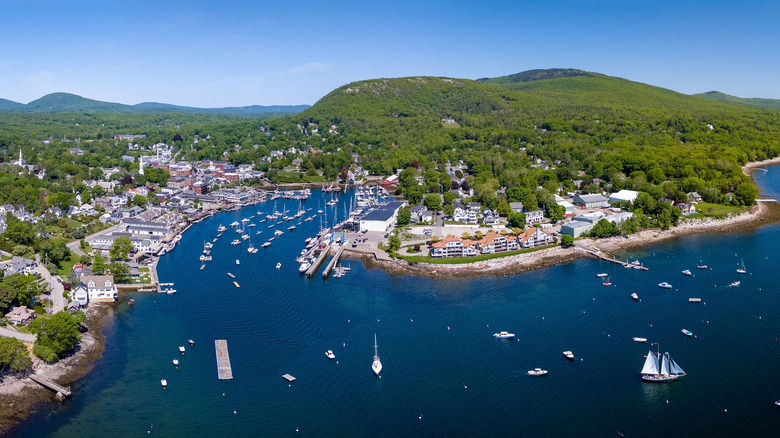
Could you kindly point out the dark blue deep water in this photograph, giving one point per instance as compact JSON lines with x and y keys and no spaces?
{"x":444,"y":373}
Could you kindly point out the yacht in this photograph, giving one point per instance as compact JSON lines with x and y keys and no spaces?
{"x":251,"y":249}
{"x":687,"y":272}
{"x":537,"y":372}
{"x":665,"y":285}
{"x":504,"y":335}
{"x":568,"y":354}
{"x":266,"y":244}
{"x":235,"y":242}
{"x":304,"y":267}
{"x":278,"y":232}
{"x":244,"y":236}
{"x":735,"y":283}
{"x":742,"y":270}
{"x":660,"y":368}
{"x":687,"y":333}
{"x":376,"y":366}
{"x":634,"y":296}
{"x":330,"y":355}
{"x":234,"y":224}
{"x":221,"y":228}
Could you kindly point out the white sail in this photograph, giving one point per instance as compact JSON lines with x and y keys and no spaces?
{"x":676,"y":368}
{"x":651,"y":364}
{"x":665,"y":364}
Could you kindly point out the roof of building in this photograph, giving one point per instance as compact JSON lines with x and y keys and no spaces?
{"x":443,"y":243}
{"x":595,"y":197}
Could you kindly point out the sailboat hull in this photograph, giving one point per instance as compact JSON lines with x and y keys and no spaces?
{"x":376,"y":367}
{"x":659,"y":378}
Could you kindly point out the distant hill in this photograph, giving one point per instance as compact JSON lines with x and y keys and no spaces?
{"x":6,"y":104}
{"x":751,"y":101}
{"x":60,"y":102}
{"x":536,"y":75}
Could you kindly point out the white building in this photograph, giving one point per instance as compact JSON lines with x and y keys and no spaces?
{"x":624,"y":195}
{"x":100,"y":288}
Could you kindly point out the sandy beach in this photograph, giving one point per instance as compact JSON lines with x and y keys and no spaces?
{"x":20,"y":396}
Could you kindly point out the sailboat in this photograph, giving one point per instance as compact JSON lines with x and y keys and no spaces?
{"x":377,"y":365}
{"x":608,"y":282}
{"x":742,"y":270}
{"x":660,"y":368}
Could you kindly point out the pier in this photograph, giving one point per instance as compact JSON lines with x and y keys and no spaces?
{"x":224,"y":371}
{"x":332,"y":263}
{"x":607,"y":257}
{"x":316,"y":265}
{"x":59,"y":389}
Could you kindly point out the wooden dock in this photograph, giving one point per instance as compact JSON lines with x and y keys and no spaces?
{"x":607,"y":257}
{"x":317,"y":263}
{"x":333,"y":263}
{"x":235,"y":283}
{"x":59,"y":389}
{"x":224,"y":371}
{"x":288,"y":377}
{"x":231,"y":275}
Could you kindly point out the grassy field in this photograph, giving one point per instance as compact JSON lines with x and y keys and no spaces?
{"x":464,"y":260}
{"x":67,"y":265}
{"x":705,"y":209}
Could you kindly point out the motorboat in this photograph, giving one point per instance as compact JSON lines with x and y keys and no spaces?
{"x":640,"y":340}
{"x":234,"y":224}
{"x":164,"y":383}
{"x":504,"y":335}
{"x":687,"y":272}
{"x":602,"y":275}
{"x":176,"y":363}
{"x":278,"y":265}
{"x":664,"y":285}
{"x":235,"y":242}
{"x":244,"y":236}
{"x":304,"y":267}
{"x":329,"y":354}
{"x":278,"y":232}
{"x":266,"y":244}
{"x":190,"y":341}
{"x":735,"y":283}
{"x":221,"y":228}
{"x":537,"y":372}
{"x":291,"y":227}
{"x":634,"y":296}
{"x":170,"y":291}
{"x":701,"y":266}
{"x":687,"y":333}
{"x":376,"y":365}
{"x":181,"y":349}
{"x":238,"y":262}
{"x":568,"y":355}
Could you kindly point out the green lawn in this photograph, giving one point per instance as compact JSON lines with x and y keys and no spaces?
{"x":463,"y":260}
{"x":705,"y":209}
{"x":67,"y":265}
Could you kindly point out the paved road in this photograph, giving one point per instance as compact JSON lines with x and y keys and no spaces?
{"x":10,"y":333}
{"x":58,"y":301}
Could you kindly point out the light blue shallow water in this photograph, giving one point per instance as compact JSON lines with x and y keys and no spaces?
{"x":444,"y":373}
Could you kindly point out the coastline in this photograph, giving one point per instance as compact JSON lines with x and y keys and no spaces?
{"x":21,"y":396}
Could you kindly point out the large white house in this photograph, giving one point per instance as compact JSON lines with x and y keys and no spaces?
{"x":100,"y":288}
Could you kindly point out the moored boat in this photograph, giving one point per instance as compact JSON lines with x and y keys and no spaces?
{"x":664,"y":285}
{"x":190,"y":341}
{"x":304,"y":267}
{"x":537,"y":372}
{"x":181,"y":349}
{"x":504,"y":335}
{"x":176,"y":363}
{"x":278,"y":265}
{"x":687,"y":272}
{"x":329,"y":354}
{"x":376,"y":365}
{"x":742,"y":269}
{"x":568,"y":355}
{"x":640,"y":340}
{"x":164,"y":383}
{"x":601,"y":275}
{"x":634,"y":296}
{"x":687,"y":332}
{"x":735,"y":283}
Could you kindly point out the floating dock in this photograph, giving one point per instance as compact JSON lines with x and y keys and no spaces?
{"x":332,"y":263}
{"x":224,"y":371}
{"x":202,"y":267}
{"x":235,"y":283}
{"x":288,"y":377}
{"x":316,"y":265}
{"x":231,"y":275}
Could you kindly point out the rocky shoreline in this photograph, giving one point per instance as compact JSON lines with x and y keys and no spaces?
{"x":20,"y":396}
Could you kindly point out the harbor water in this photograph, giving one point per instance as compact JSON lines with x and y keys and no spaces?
{"x":444,"y":374}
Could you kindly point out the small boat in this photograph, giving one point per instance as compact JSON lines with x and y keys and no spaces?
{"x":278,"y":265}
{"x":601,"y":275}
{"x":181,"y":349}
{"x":190,"y":341}
{"x":504,"y":335}
{"x":170,"y":291}
{"x":329,"y":354}
{"x":291,"y":227}
{"x":234,"y":224}
{"x":238,"y":262}
{"x":221,"y":228}
{"x":608,"y":282}
{"x":687,"y":332}
{"x":687,"y":272}
{"x":164,"y":383}
{"x":735,"y":283}
{"x":304,"y":267}
{"x":568,"y":355}
{"x":660,"y":368}
{"x":376,"y":366}
{"x":266,"y":244}
{"x":640,"y":340}
{"x":665,"y":285}
{"x":537,"y":372}
{"x":176,"y":363}
{"x":131,"y":302}
{"x":701,"y":266}
{"x":634,"y":296}
{"x":777,"y":403}
{"x":742,"y":270}
{"x":278,"y":232}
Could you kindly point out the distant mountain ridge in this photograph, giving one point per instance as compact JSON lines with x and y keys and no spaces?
{"x":757,"y":102}
{"x":59,"y":102}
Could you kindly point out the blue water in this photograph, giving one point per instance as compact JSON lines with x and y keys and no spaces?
{"x":444,"y":373}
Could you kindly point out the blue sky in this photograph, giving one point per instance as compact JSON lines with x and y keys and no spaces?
{"x":236,"y":53}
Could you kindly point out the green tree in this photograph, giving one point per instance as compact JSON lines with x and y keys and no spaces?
{"x":504,"y":209}
{"x":120,"y":248}
{"x":98,"y":263}
{"x":139,"y":200}
{"x":746,"y":193}
{"x":58,"y":333}
{"x":44,"y":352}
{"x":567,"y":240}
{"x":603,"y":228}
{"x":13,"y":355}
{"x":120,"y":271}
{"x":18,"y":232}
{"x":25,"y":287}
{"x":413,"y":195}
{"x":432,"y":202}
{"x":404,"y":216}
{"x":449,"y":197}
{"x":55,"y":250}
{"x":516,"y":220}
{"x":7,"y":297}
{"x":394,"y":243}
{"x":555,"y":212}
